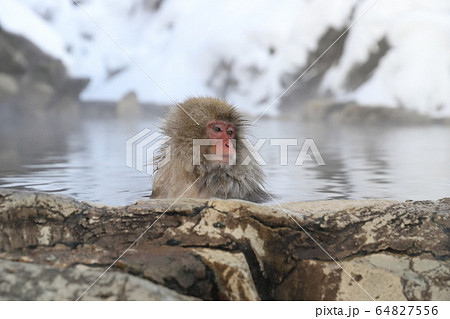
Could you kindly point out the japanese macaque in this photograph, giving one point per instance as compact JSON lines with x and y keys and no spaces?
{"x":206,"y":171}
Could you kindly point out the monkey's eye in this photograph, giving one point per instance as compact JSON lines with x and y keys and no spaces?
{"x":217,"y":129}
{"x":229,"y":132}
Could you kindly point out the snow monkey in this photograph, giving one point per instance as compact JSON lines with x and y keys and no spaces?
{"x":210,"y":153}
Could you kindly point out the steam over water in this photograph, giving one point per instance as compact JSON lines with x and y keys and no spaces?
{"x":87,"y":160}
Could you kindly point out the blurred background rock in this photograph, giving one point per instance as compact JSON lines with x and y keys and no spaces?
{"x":33,"y":83}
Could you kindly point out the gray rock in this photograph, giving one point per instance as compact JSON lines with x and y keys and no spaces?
{"x":32,"y":83}
{"x":129,"y":107}
{"x":35,"y":101}
{"x":27,"y":281}
{"x":8,"y":86}
{"x":354,"y":114}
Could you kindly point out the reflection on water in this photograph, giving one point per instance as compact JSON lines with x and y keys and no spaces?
{"x":364,"y":162}
{"x":87,"y":160}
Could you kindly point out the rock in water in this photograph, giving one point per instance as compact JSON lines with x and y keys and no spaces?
{"x":224,"y":249}
{"x":129,"y":107}
{"x":8,"y":86}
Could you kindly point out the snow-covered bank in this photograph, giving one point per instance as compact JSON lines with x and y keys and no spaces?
{"x":19,"y":19}
{"x":415,"y":72}
{"x":247,"y":51}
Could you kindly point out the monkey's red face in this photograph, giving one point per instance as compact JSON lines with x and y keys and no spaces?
{"x":222,"y":132}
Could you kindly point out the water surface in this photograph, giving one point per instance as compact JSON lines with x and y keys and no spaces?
{"x":86,"y":160}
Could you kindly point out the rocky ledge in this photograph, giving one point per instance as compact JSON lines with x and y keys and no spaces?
{"x":53,"y":247}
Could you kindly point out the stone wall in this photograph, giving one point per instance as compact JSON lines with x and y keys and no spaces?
{"x":54,"y":247}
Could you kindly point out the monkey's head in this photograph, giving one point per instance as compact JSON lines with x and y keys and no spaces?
{"x":217,"y":121}
{"x":190,"y":168}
